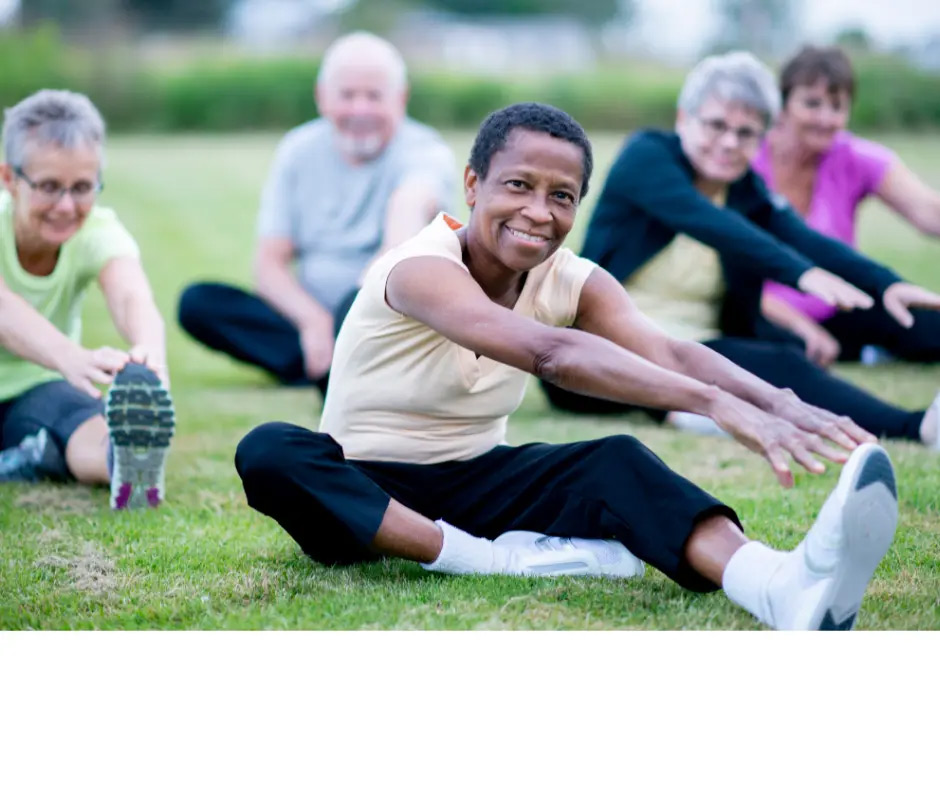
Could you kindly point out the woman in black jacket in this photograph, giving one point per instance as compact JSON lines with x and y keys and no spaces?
{"x":692,"y":233}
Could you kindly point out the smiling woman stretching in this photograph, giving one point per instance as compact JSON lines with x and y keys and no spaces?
{"x":54,"y":242}
{"x":826,"y":173}
{"x":433,"y":357}
{"x":691,"y":232}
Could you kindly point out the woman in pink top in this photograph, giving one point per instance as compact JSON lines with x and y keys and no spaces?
{"x":825,"y":172}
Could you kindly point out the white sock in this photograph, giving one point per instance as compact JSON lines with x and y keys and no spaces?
{"x":461,"y":553}
{"x":747,"y":576}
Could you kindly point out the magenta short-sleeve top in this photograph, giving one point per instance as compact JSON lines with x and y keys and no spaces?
{"x":849,"y":171}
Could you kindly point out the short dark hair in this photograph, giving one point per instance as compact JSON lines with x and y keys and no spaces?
{"x":497,"y":126}
{"x":812,"y":64}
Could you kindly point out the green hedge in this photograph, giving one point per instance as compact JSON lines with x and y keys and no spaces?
{"x":242,"y":93}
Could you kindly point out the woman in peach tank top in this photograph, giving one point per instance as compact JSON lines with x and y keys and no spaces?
{"x":411,"y":460}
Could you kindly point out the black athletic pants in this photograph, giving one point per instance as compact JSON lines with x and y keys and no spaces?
{"x":612,"y":488}
{"x":785,"y":367}
{"x":239,"y":323}
{"x":56,"y":406}
{"x":860,"y":327}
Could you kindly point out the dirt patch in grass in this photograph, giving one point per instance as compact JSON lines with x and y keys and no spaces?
{"x":51,"y":535}
{"x":59,"y":499}
{"x":90,"y":571}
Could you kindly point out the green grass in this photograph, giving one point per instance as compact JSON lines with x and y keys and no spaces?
{"x":205,"y":560}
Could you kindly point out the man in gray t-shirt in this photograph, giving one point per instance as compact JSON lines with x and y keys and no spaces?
{"x":342,"y":189}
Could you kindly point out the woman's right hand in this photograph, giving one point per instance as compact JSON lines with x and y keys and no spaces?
{"x":834,"y":290}
{"x":774,"y":438}
{"x":822,"y":348}
{"x":87,"y":369}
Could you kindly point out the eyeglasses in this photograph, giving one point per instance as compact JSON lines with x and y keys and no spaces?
{"x":49,"y":192}
{"x":716,"y":128}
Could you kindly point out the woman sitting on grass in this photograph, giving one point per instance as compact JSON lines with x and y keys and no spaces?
{"x":825,"y":173}
{"x":433,"y":357}
{"x":691,"y":233}
{"x":54,"y":241}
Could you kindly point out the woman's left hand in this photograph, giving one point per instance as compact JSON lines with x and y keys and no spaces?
{"x":900,"y":297}
{"x":141,"y":354}
{"x":841,"y":430}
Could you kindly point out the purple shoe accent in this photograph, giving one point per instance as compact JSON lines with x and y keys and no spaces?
{"x":153,"y":496}
{"x":123,"y":496}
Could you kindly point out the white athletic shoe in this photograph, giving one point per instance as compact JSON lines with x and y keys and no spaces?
{"x":820,"y":585}
{"x":694,"y":423}
{"x":930,"y":426}
{"x":522,"y":559}
{"x":141,"y":421}
{"x":611,"y":559}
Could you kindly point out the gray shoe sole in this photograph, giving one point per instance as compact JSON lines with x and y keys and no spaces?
{"x":141,"y":422}
{"x":869,"y":516}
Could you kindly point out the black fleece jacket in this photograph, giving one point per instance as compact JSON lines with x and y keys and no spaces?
{"x":649,"y":197}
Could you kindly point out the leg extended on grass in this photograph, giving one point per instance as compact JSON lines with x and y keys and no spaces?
{"x":341,"y":511}
{"x":86,"y":453}
{"x":58,"y":432}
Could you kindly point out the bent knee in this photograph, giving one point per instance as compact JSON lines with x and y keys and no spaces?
{"x":620,"y":446}
{"x":277,"y":445}
{"x":261,"y":448}
{"x":194,"y":304}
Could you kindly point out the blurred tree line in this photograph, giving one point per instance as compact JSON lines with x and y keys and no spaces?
{"x":230,"y":92}
{"x":222,"y":90}
{"x":90,"y":16}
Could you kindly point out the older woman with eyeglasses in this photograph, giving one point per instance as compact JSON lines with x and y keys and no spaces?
{"x":692,"y":233}
{"x":54,"y":241}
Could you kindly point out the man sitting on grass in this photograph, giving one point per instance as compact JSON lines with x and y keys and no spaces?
{"x":343,"y":189}
{"x":54,"y":241}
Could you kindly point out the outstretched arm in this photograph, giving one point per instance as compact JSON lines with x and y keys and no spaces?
{"x":130,"y":301}
{"x":605,"y":309}
{"x":822,"y":348}
{"x":907,"y":194}
{"x":29,"y":335}
{"x":649,"y":176}
{"x":446,"y":298}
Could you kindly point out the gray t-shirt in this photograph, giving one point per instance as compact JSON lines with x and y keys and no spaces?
{"x":333,"y":212}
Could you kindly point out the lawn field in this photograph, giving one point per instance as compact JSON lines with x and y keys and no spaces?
{"x":205,"y":560}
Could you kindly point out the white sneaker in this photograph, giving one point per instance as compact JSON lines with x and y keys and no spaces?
{"x":611,"y":559}
{"x":930,"y":426}
{"x":463,"y":554}
{"x":694,"y":423}
{"x":820,"y":585}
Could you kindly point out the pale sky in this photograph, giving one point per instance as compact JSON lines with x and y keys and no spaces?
{"x":679,"y":28}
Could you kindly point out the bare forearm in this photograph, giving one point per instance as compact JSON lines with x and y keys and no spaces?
{"x":140,"y":323}
{"x":781,"y":314}
{"x":27,"y":334}
{"x":591,"y":365}
{"x":280,"y":289}
{"x":705,"y":365}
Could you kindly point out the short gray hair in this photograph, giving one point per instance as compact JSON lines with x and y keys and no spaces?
{"x":352,"y":45}
{"x":736,"y":77}
{"x":50,"y":117}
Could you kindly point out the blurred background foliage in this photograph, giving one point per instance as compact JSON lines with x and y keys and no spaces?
{"x":177,"y":65}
